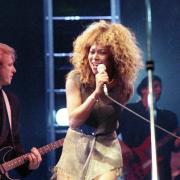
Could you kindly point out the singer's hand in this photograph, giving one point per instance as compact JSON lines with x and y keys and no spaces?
{"x":101,"y":79}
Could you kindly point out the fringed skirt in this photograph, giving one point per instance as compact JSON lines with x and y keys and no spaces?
{"x":85,"y":157}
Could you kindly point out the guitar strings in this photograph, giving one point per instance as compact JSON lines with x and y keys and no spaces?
{"x":145,"y":119}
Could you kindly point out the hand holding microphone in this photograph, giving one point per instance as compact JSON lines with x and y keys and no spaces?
{"x":102,"y":69}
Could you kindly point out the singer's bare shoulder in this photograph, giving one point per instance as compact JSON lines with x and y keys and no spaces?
{"x":71,"y":86}
{"x":74,"y":76}
{"x":73,"y":95}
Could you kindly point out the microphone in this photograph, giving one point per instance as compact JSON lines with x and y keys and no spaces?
{"x":102,"y":68}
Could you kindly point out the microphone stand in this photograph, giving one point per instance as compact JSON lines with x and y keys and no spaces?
{"x":150,"y":68}
{"x":152,"y":124}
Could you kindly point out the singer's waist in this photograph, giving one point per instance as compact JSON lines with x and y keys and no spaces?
{"x":89,"y":130}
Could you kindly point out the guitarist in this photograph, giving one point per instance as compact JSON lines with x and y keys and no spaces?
{"x":9,"y":118}
{"x":135,"y":133}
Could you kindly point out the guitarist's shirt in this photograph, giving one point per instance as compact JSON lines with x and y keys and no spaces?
{"x":4,"y":125}
{"x":136,"y":134}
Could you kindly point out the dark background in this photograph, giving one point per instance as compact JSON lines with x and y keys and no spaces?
{"x":22,"y":27}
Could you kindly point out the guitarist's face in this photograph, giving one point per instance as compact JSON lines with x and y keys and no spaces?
{"x":7,"y":68}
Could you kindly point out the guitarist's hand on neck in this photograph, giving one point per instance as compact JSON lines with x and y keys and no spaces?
{"x":34,"y":159}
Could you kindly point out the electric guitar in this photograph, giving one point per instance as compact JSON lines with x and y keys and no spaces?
{"x":12,"y":164}
{"x":139,"y":163}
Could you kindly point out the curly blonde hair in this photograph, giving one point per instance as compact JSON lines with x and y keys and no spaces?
{"x":125,"y":53}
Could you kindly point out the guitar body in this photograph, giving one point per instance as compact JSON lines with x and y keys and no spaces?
{"x":5,"y":154}
{"x":138,"y":165}
{"x":132,"y":169}
{"x":143,"y":157}
{"x":8,"y":166}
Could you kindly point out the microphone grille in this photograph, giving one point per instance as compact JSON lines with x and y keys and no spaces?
{"x":101,"y":68}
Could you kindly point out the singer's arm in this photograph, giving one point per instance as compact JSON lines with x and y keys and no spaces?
{"x":79,"y":111}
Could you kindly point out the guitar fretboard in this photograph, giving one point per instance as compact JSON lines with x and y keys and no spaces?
{"x":9,"y":165}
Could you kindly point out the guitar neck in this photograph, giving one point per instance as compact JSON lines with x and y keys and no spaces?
{"x":9,"y":165}
{"x":49,"y":147}
{"x":166,"y":139}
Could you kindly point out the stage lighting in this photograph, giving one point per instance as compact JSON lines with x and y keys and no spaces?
{"x":62,"y":117}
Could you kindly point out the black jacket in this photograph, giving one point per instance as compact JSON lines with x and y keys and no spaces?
{"x":8,"y":139}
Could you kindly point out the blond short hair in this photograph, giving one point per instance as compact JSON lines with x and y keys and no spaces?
{"x":5,"y":49}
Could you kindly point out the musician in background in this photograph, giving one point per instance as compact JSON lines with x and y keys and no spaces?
{"x":135,"y":134}
{"x":9,"y":117}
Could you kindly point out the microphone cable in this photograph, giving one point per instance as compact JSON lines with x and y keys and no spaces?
{"x":138,"y":115}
